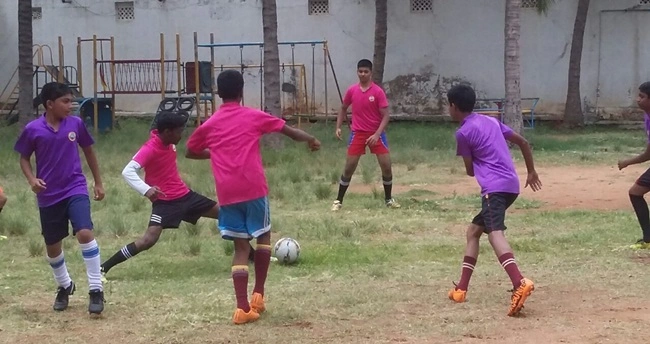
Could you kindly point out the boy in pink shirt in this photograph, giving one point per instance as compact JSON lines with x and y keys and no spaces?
{"x":231,"y":140}
{"x":369,"y":120}
{"x":172,"y":201}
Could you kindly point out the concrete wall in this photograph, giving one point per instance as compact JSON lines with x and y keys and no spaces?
{"x":426,"y":53}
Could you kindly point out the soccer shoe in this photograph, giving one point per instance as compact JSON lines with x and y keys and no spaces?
{"x":336,"y":206}
{"x":520,"y":295}
{"x":240,"y":317}
{"x":257,"y":303}
{"x":640,"y":245}
{"x":457,"y":295}
{"x":392,"y":203}
{"x":96,"y":302}
{"x":62,"y":297}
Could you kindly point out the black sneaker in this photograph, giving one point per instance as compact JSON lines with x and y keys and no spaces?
{"x":96,"y":302}
{"x":62,"y":297}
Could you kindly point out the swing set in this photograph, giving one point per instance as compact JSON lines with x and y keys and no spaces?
{"x":298,"y":96}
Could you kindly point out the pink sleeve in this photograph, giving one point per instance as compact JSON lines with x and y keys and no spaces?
{"x":462,"y":146}
{"x":382,"y":101}
{"x":197,"y":141}
{"x":143,"y":156}
{"x":267,"y":123}
{"x":347,"y":100}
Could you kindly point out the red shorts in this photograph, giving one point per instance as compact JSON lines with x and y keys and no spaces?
{"x":357,"y":144}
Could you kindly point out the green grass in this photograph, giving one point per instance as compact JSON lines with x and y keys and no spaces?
{"x":366,"y":274}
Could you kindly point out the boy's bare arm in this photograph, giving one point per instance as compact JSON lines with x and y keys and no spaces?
{"x":643,"y":157}
{"x":301,"y":136}
{"x":36,"y":184}
{"x":203,"y":155}
{"x":342,"y":115}
{"x":469,"y":165}
{"x":527,"y":152}
{"x":93,"y":164}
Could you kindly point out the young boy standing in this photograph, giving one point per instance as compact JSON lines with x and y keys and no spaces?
{"x":61,"y":189}
{"x":172,"y":201}
{"x":642,"y":185}
{"x":369,"y":120}
{"x":481,"y":141}
{"x":230,"y":139}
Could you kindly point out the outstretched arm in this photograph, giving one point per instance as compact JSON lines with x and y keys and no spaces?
{"x":643,"y":157}
{"x":301,"y":136}
{"x":533,"y":178}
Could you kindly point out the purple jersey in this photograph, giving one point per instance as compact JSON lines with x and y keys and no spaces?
{"x":646,"y":119}
{"x":57,"y":157}
{"x":483,"y":139}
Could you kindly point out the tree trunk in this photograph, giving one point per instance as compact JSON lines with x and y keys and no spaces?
{"x":272,"y":95}
{"x":512,"y":108}
{"x":573,"y":115}
{"x":381,"y":34}
{"x":25,"y":62}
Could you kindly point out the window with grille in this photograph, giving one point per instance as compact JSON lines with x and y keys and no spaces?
{"x":644,"y":2}
{"x":124,"y":10}
{"x":37,"y":13}
{"x":528,"y":3}
{"x":421,"y":5}
{"x":319,"y":7}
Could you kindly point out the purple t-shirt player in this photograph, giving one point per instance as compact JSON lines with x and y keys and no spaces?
{"x":484,"y":139}
{"x":646,"y":119}
{"x":57,"y":157}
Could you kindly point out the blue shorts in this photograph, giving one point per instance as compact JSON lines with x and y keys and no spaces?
{"x":55,"y":218}
{"x":245,"y":220}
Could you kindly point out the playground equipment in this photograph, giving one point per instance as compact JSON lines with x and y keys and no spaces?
{"x":125,"y":76}
{"x":297,"y":89}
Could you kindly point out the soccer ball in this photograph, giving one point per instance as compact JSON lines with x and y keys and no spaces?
{"x":287,"y":250}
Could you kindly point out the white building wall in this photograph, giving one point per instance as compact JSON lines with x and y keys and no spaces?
{"x":427,"y":52}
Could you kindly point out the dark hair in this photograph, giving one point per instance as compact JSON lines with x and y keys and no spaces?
{"x":230,"y":84}
{"x":169,"y":120}
{"x":365,"y":63}
{"x":53,"y":91}
{"x":463,"y":96}
{"x":645,"y":88}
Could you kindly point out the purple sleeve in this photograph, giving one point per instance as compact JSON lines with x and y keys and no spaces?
{"x":462,"y":146}
{"x":267,"y":123}
{"x":647,"y":126}
{"x":84,"y":138}
{"x":25,"y":144}
{"x":505,"y":130}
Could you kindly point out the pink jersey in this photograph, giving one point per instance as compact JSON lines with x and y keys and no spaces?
{"x":233,"y":135}
{"x":160,"y":168}
{"x":365,"y":106}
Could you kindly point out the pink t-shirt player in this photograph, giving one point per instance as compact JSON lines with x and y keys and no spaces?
{"x":365,"y":106}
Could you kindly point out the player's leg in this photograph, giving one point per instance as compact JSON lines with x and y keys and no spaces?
{"x":496,"y":205}
{"x":3,"y":199}
{"x":232,"y":225}
{"x":474,"y":232}
{"x":636,"y":192}
{"x":146,"y":242}
{"x":82,"y":227}
{"x":258,"y":223}
{"x":201,"y":206}
{"x":380,"y":149}
{"x":54,"y":228}
{"x":356,"y":148}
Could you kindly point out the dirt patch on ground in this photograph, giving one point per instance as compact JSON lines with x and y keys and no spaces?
{"x":601,"y":187}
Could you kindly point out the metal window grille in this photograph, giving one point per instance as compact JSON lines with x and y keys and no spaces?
{"x":37,"y":13}
{"x":528,"y":3}
{"x":421,"y":5}
{"x":319,"y":7}
{"x":124,"y":10}
{"x":644,"y":2}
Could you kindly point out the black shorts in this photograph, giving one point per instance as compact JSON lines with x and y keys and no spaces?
{"x":189,"y":208}
{"x":644,"y":179}
{"x":56,"y":218}
{"x":493,"y":211}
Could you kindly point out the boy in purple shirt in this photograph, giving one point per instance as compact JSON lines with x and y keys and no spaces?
{"x":61,"y":189}
{"x":642,"y":184}
{"x":481,"y":141}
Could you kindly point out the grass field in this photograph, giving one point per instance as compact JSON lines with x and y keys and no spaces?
{"x":367,"y":274}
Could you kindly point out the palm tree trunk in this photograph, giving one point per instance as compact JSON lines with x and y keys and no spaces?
{"x":25,"y":62}
{"x":272,"y":95}
{"x":573,"y":115}
{"x":381,"y":30}
{"x":512,"y":108}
